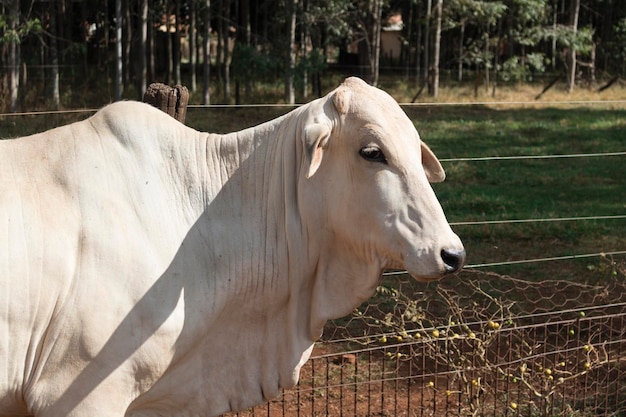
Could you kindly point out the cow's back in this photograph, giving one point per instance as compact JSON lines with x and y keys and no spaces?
{"x":80,"y":208}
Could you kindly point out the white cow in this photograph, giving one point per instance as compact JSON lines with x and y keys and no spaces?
{"x":147,"y":269}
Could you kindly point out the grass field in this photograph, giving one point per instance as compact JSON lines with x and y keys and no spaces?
{"x":496,"y":190}
{"x":539,"y":188}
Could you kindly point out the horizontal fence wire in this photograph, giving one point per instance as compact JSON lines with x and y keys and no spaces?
{"x":435,"y":104}
{"x":526,"y":157}
{"x":548,"y":259}
{"x":538,"y":220}
{"x":403,"y":104}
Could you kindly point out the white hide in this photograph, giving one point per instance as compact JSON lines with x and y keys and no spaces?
{"x":147,"y":269}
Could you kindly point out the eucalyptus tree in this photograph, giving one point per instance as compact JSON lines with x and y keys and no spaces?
{"x":525,"y":29}
{"x":14,"y":27}
{"x":206,"y":48}
{"x":571,"y":39}
{"x":476,"y":20}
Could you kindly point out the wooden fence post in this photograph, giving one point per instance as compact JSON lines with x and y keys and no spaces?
{"x":171,"y":100}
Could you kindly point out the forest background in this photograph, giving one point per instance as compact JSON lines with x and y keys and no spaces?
{"x":70,"y":53}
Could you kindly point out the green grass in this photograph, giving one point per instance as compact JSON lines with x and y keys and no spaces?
{"x":522,"y":189}
{"x":495,"y":190}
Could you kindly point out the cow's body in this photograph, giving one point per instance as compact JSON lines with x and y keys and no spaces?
{"x":149,"y":269}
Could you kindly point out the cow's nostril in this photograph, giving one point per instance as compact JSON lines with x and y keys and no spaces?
{"x":453,"y":259}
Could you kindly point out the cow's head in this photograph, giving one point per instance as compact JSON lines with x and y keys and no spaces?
{"x":362,"y":149}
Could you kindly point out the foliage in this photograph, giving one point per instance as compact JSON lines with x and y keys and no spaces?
{"x":580,"y":40}
{"x":249,"y":60}
{"x":508,"y":35}
{"x":23,"y":29}
{"x":528,"y":18}
{"x":618,"y":46}
{"x":522,"y":69}
{"x":335,"y":16}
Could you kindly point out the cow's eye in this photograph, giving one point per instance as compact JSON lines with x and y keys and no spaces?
{"x":373,"y":153}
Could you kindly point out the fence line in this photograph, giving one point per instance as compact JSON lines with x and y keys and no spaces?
{"x":538,"y":220}
{"x":286,"y":105}
{"x":429,"y":104}
{"x":554,"y":258}
{"x":527,"y":261}
{"x":48,"y":112}
{"x":515,"y":157}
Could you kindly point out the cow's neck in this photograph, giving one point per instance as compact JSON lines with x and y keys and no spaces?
{"x":253,"y":334}
{"x":273,"y":287}
{"x":263,"y":164}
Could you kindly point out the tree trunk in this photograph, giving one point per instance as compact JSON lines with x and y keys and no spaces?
{"x":127,"y":36}
{"x":227,"y":48}
{"x":437,"y":49}
{"x":291,"y":51}
{"x":553,"y":43}
{"x":14,"y":56}
{"x":54,"y":57}
{"x":247,"y":25}
{"x":151,"y":47}
{"x":496,"y":59}
{"x":409,"y":35}
{"x":487,"y":79}
{"x":418,"y":42}
{"x":142,"y":68}
{"x":572,"y":52}
{"x":377,"y":11}
{"x":176,"y":42}
{"x":426,"y":72}
{"x":192,"y":46}
{"x":118,"y":50}
{"x":305,"y":43}
{"x":219,"y":53}
{"x":206,"y":53}
{"x":461,"y":52}
{"x":169,"y":48}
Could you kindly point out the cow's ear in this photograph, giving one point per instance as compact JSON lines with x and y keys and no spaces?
{"x":432,"y":166}
{"x":316,"y":137}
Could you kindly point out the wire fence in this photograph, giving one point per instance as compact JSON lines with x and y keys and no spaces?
{"x":479,"y":345}
{"x":404,"y":105}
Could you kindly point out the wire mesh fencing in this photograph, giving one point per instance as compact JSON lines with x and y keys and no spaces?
{"x":480,"y":344}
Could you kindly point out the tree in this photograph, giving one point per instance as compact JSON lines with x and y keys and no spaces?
{"x":14,"y":28}
{"x":291,"y":51}
{"x":510,"y":39}
{"x":571,"y":76}
{"x":433,"y":85}
{"x":53,"y":35}
{"x":192,"y":45}
{"x":477,"y":18}
{"x":119,"y":84}
{"x":206,"y":48}
{"x":526,"y":28}
{"x":14,"y":52}
{"x":142,"y":67}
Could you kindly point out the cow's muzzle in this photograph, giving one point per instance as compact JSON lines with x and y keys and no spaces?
{"x":453,"y":259}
